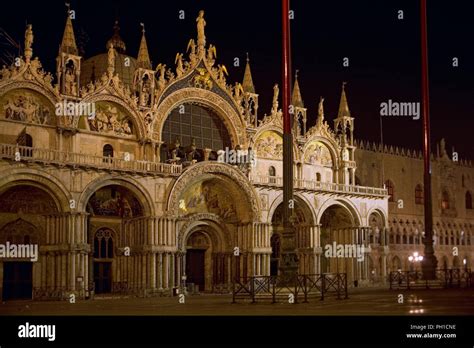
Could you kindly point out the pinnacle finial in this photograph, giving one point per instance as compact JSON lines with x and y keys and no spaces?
{"x":343,"y":105}
{"x":247,"y":83}
{"x":296,"y":98}
{"x":143,"y":58}
{"x":68,"y":43}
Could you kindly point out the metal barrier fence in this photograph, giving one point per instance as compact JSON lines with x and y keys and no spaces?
{"x":301,"y":287}
{"x":445,"y":278}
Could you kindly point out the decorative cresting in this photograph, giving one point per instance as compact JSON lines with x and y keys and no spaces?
{"x":27,"y":73}
{"x":202,"y":168}
{"x":198,"y":79}
{"x":200,"y":219}
{"x":321,"y":128}
{"x":231,"y":119}
{"x":268,"y":139}
{"x":276,"y":116}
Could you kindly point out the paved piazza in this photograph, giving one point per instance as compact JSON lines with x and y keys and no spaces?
{"x":375,"y":301}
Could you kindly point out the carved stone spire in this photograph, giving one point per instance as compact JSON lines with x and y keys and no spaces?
{"x":296,"y":99}
{"x":343,"y":106}
{"x":143,"y":59}
{"x":68,"y":44}
{"x":68,"y":61}
{"x":247,"y":83}
{"x":344,"y":123}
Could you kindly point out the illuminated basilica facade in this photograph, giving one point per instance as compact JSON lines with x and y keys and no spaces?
{"x":125,"y":193}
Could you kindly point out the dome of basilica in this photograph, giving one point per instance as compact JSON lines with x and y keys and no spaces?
{"x":94,"y":67}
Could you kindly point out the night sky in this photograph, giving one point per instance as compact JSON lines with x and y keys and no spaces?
{"x":383,"y":52}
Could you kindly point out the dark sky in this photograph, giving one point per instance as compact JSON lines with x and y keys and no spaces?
{"x":383,"y":52}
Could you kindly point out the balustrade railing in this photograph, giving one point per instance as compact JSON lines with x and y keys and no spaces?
{"x":19,"y":153}
{"x":313,"y":185}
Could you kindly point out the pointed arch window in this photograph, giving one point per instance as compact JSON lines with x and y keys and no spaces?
{"x":468,"y":200}
{"x":418,"y":194}
{"x":272,"y":174}
{"x":390,"y":190}
{"x":103,"y":244}
{"x":445,"y":204}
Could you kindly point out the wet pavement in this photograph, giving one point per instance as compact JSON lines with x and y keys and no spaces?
{"x":368,"y":301}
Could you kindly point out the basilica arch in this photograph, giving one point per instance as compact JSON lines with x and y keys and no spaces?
{"x":132,"y":113}
{"x":51,"y":97}
{"x":205,"y":242}
{"x":232,"y":120}
{"x":268,"y":143}
{"x":40,"y":179}
{"x":340,"y":225}
{"x":221,"y":173}
{"x":214,"y":203}
{"x":33,"y":207}
{"x":138,"y":190}
{"x":305,"y":230}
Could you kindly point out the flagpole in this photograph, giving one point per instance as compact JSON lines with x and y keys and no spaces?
{"x":429,"y":262}
{"x":289,"y":262}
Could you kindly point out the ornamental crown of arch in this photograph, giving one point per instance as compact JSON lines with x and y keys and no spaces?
{"x":198,"y":70}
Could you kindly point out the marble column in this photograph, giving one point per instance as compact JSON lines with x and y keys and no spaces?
{"x":160,"y":271}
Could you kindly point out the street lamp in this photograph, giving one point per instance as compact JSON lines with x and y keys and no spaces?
{"x":415,"y":258}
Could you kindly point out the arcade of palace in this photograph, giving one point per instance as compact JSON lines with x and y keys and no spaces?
{"x":132,"y":198}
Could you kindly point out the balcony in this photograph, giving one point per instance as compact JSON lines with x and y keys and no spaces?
{"x":317,"y":186}
{"x":73,"y":159}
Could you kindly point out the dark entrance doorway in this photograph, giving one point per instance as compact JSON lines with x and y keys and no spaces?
{"x":102,"y":277}
{"x":103,"y":256}
{"x":17,"y":280}
{"x":195,"y":267}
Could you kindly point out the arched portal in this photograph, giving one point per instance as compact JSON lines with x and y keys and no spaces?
{"x":111,"y":208}
{"x":304,"y":228}
{"x":343,"y":243}
{"x":23,"y":207}
{"x":204,"y":239}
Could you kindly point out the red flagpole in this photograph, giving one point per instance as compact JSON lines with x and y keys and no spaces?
{"x":288,"y":257}
{"x":429,"y":262}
